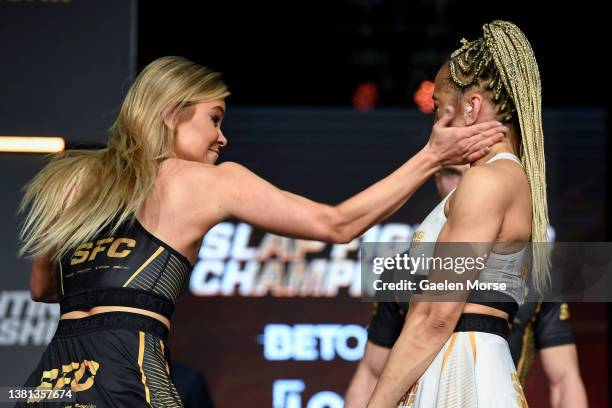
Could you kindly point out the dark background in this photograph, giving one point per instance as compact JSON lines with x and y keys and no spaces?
{"x":316,"y":52}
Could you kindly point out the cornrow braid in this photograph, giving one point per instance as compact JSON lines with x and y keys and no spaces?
{"x":473,"y":65}
{"x":502,"y":62}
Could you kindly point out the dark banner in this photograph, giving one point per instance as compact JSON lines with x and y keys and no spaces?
{"x":66,"y":65}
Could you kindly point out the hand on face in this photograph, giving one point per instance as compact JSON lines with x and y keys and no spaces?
{"x":452,"y":141}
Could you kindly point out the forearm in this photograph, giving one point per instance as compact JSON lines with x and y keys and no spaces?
{"x":382,"y":199}
{"x":416,"y":348}
{"x":560,"y":364}
{"x":361,"y":387}
{"x":568,"y":393}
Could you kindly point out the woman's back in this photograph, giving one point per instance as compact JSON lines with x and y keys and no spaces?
{"x":174,"y":212}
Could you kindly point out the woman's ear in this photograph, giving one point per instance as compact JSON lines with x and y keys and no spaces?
{"x":472,"y":108}
{"x":169,"y":117}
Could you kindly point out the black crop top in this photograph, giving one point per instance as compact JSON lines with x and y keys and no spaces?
{"x":130,"y":268}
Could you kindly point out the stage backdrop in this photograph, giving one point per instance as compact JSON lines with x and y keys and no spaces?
{"x":277,"y":322}
{"x":66,"y":65}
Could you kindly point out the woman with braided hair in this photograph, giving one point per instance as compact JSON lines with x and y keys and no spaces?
{"x":454,"y":353}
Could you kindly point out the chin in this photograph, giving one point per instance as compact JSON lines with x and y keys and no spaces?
{"x":211,"y":158}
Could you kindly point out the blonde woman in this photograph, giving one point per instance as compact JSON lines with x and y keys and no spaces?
{"x":454,"y":353}
{"x":114,"y":233}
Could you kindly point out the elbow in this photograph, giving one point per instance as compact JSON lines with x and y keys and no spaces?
{"x":341,"y":236}
{"x":441,"y":321}
{"x":37,"y":291}
{"x":40,"y":293}
{"x":439,"y":328}
{"x":39,"y":296}
{"x":567,"y":383}
{"x":36,"y":294}
{"x":333,"y":228}
{"x":43,"y":286}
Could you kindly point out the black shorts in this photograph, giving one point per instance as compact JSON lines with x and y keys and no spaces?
{"x":112,"y":359}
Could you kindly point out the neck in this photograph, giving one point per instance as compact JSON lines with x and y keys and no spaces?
{"x":505,"y":146}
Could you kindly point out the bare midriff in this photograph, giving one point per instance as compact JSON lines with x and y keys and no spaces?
{"x":79,"y":314}
{"x":481,"y":309}
{"x":469,"y":308}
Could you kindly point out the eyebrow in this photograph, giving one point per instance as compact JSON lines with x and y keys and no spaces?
{"x":221,"y":109}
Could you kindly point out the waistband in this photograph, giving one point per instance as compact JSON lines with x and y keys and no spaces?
{"x":127,"y":297}
{"x":495,"y":299}
{"x":483,"y":323}
{"x":112,"y":321}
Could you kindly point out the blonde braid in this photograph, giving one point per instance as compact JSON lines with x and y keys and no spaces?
{"x":502,"y":61}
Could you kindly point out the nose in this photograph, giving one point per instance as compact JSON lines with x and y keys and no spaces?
{"x":222,"y":140}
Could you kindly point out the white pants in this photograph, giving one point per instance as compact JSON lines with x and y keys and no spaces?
{"x":472,"y":370}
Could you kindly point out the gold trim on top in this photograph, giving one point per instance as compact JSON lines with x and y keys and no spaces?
{"x":148,"y":261}
{"x":143,"y":377}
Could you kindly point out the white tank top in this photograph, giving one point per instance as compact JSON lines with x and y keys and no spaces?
{"x":499,"y":268}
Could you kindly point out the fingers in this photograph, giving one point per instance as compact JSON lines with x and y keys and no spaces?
{"x":478,"y":155}
{"x":460,"y":145}
{"x":478,"y":145}
{"x":490,"y":137}
{"x":483,"y":127}
{"x":448,"y":115}
{"x":485,"y":141}
{"x":493,"y":135}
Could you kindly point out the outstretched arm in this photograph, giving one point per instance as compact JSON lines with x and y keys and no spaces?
{"x":241,"y":194}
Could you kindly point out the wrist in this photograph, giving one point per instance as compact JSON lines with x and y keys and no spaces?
{"x":429,"y":160}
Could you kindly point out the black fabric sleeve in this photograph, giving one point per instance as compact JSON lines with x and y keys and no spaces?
{"x":386,"y":325}
{"x":552,"y":325}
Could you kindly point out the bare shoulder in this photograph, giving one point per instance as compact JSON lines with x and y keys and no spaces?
{"x":185,"y":183}
{"x":192,"y":176}
{"x":482,"y":180}
{"x":486,"y":187}
{"x":190,"y":194}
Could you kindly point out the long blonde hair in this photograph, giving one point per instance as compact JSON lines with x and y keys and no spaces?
{"x":502,"y":62}
{"x":81,"y":191}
